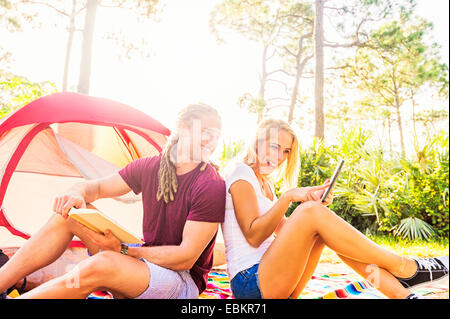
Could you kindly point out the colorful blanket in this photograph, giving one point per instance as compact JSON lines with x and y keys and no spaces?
{"x":352,"y":286}
{"x":321,"y":286}
{"x":218,"y":286}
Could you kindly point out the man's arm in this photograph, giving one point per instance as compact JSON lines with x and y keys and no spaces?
{"x":196,"y":236}
{"x":87,"y":192}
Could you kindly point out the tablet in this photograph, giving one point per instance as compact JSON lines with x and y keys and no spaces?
{"x":333,"y":180}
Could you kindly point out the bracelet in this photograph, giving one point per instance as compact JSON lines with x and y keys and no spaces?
{"x":123,"y":249}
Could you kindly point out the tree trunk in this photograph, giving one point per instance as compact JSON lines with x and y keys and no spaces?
{"x":319,"y":78}
{"x":390,"y":136}
{"x":293,"y":98}
{"x":413,"y":101}
{"x":298,"y":75}
{"x":86,"y":54}
{"x":69,"y":46}
{"x":400,"y":129}
{"x":262,"y":85}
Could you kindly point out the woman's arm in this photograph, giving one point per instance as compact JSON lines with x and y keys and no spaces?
{"x":258,"y":228}
{"x":280,"y":225}
{"x":255,"y":228}
{"x":327,"y":202}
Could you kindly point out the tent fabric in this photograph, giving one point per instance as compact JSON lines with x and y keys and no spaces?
{"x":64,"y":138}
{"x":74,"y":107}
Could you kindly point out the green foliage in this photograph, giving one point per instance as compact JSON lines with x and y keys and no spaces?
{"x":10,"y":18}
{"x":252,"y":104}
{"x":429,"y":117}
{"x":17,"y":91}
{"x":423,"y":187}
{"x":377,"y":194}
{"x":414,"y":228}
{"x":255,"y":19}
{"x":284,"y":29}
{"x":394,"y":66}
{"x":432,"y":247}
{"x":395,"y":63}
{"x":229,"y":151}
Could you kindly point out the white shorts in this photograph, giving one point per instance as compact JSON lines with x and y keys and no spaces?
{"x":169,"y":284}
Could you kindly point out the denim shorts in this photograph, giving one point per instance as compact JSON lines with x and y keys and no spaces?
{"x":245,"y":285}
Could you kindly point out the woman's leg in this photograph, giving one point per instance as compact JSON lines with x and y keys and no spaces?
{"x":42,"y":249}
{"x":285,"y":260}
{"x":106,"y":270}
{"x":379,"y":278}
{"x":311,"y":265}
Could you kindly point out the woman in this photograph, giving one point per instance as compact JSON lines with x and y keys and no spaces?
{"x":183,"y":201}
{"x":260,"y":265}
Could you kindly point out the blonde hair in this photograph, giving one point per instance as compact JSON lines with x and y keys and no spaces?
{"x":167,"y":176}
{"x":289,"y":170}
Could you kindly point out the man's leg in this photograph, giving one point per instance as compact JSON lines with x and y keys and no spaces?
{"x":71,"y":257}
{"x":106,"y":270}
{"x":42,"y":249}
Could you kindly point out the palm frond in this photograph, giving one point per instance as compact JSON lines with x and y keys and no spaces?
{"x":414,"y":228}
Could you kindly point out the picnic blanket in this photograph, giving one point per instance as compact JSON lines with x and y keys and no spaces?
{"x":353,"y":286}
{"x":218,"y":286}
{"x":321,"y":286}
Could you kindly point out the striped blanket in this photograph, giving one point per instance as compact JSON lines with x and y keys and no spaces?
{"x":321,"y":286}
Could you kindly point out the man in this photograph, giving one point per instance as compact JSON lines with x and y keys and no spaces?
{"x":183,"y":203}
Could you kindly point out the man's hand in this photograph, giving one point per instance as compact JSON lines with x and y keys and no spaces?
{"x":107,"y":241}
{"x":87,"y":192}
{"x":64,"y":202}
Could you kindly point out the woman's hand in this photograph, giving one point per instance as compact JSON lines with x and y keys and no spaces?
{"x":329,"y":198}
{"x":304,"y":194}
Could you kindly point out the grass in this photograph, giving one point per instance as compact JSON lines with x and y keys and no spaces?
{"x":404,"y":247}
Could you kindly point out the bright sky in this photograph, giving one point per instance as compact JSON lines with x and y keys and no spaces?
{"x":186,"y":65}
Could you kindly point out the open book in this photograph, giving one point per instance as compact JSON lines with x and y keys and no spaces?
{"x":98,"y":222}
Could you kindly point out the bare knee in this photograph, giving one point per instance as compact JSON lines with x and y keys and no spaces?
{"x":94,"y":271}
{"x":309,"y":209}
{"x":99,"y":264}
{"x":312,"y":213}
{"x":57,"y":220}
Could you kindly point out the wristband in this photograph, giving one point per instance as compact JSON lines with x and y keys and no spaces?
{"x":123,"y":249}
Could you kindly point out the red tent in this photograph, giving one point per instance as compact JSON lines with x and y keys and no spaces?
{"x":57,"y":140}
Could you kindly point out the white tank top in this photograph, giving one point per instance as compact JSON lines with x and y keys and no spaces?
{"x":240,"y":254}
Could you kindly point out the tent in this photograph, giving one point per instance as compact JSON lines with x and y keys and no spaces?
{"x":60,"y":139}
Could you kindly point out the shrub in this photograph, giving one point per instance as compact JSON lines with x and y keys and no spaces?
{"x":378,"y":194}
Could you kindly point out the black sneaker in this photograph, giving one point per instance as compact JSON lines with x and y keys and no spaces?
{"x":429,"y":270}
{"x":414,"y":296}
{"x":3,"y":260}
